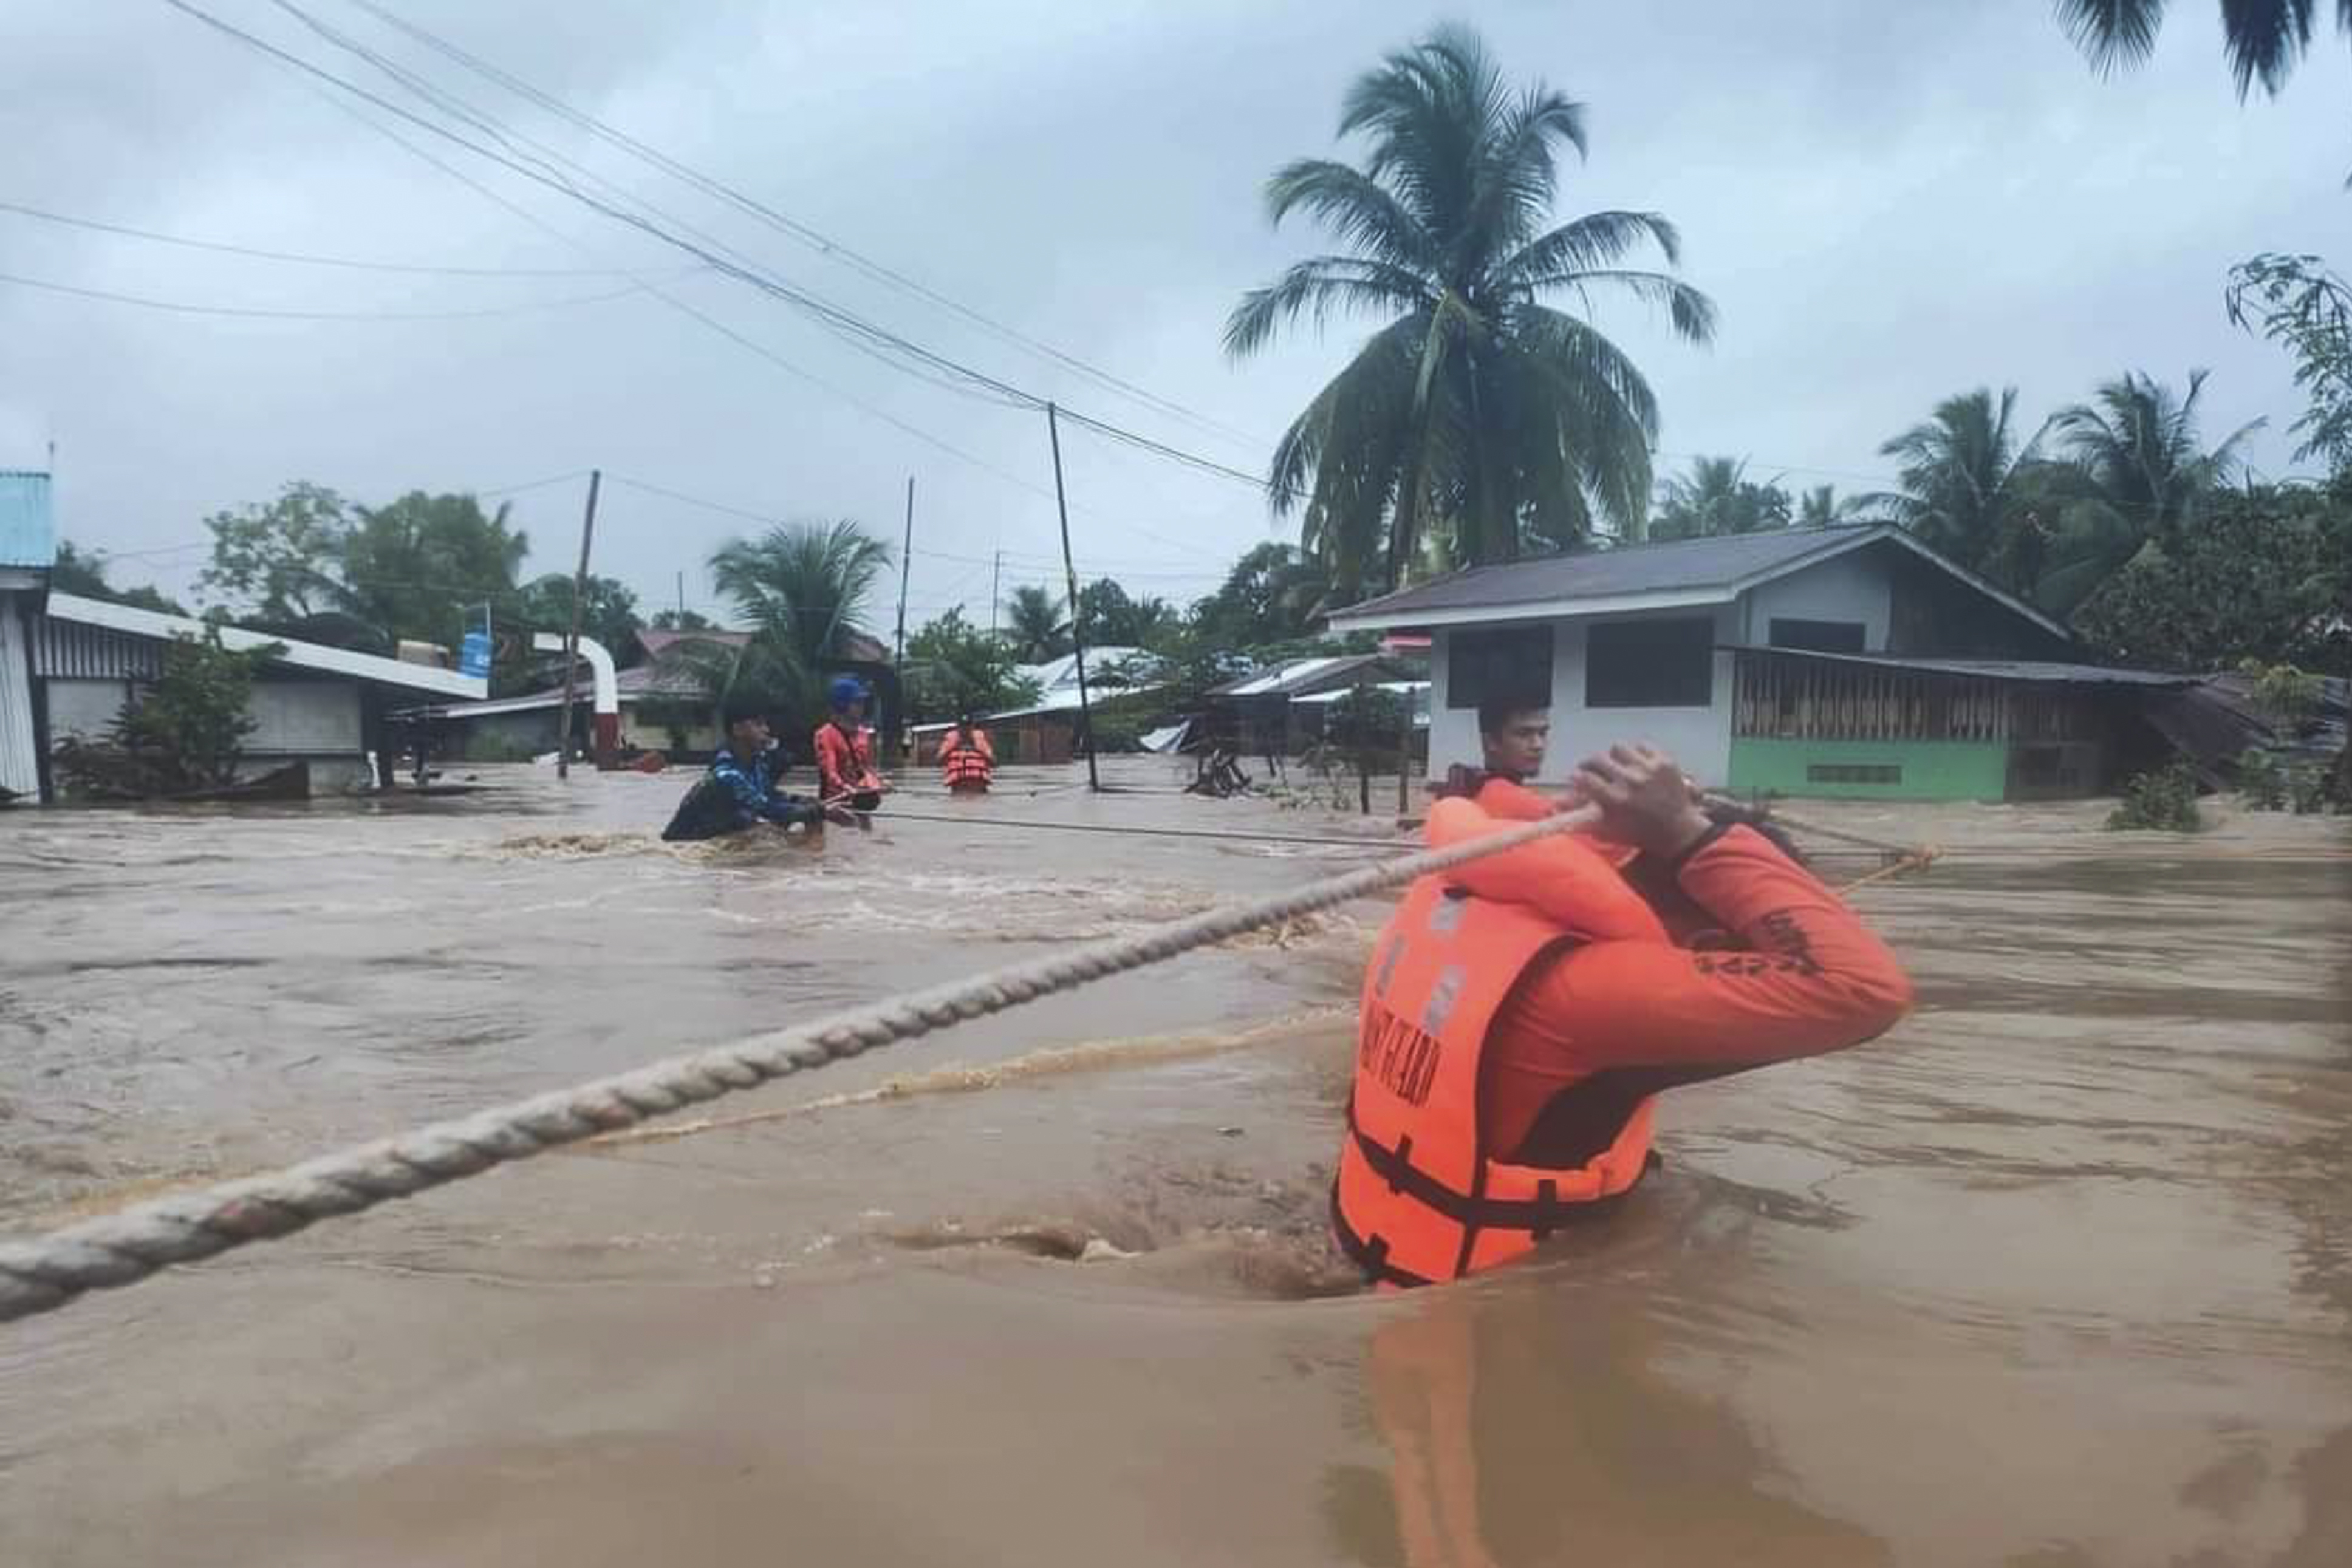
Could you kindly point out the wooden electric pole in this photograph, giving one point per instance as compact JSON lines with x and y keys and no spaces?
{"x":1070,"y":577}
{"x":571,"y":643}
{"x":906,"y":559}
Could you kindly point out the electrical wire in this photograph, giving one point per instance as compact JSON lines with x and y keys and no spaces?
{"x":184,"y":307}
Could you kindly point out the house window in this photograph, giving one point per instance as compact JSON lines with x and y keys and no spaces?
{"x":1818,"y":636}
{"x":1650,"y":664}
{"x":1853,"y":773}
{"x":1509,"y":666}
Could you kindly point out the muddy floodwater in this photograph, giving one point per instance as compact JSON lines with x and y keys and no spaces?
{"x":2059,"y":1273}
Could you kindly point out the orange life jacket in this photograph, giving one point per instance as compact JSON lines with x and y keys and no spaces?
{"x":1419,"y":1197}
{"x":967,"y":766}
{"x":845,"y":760}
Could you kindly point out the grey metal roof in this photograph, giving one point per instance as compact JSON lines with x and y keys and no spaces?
{"x":27,"y":533}
{"x":2038,"y":671}
{"x":1677,"y":565}
{"x":1299,"y":675}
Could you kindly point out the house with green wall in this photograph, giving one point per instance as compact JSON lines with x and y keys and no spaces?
{"x":1841,"y":661}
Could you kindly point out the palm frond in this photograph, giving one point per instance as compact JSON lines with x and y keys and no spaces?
{"x":1317,"y":289}
{"x":2112,"y":33}
{"x":1595,"y":240}
{"x":1355,"y":207}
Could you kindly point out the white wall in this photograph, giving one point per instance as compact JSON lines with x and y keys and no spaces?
{"x":84,"y":709}
{"x":1698,"y":737}
{"x":298,"y":718}
{"x":1855,"y":586}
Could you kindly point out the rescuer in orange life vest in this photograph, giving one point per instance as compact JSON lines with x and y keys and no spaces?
{"x":844,"y":750}
{"x":966,"y":759}
{"x":1521,"y":1012}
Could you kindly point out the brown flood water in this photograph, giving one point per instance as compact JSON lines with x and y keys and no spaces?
{"x":2059,"y":1273}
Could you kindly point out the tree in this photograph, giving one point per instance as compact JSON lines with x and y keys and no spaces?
{"x":1961,"y":473}
{"x":2262,"y":40}
{"x":2263,"y":576}
{"x":418,"y":567}
{"x":1273,"y":594}
{"x":954,"y":668}
{"x":1476,"y":413}
{"x":681,"y":620}
{"x":1717,"y":497}
{"x":284,"y":561}
{"x":1822,"y":507}
{"x":1112,"y":619}
{"x":608,"y":611}
{"x":1035,"y":625}
{"x":2301,"y":306}
{"x":802,"y":590}
{"x":185,"y":730}
{"x":83,"y":572}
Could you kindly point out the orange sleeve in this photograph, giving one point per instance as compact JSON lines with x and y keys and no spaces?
{"x":1816,"y":980}
{"x":829,"y":749}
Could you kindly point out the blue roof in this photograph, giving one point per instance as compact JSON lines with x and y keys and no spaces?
{"x":28,"y":534}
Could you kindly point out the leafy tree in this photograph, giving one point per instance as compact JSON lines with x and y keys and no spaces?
{"x":1273,"y":594}
{"x":608,"y":611}
{"x":183,"y":731}
{"x":283,"y":560}
{"x":417,"y":567}
{"x":1475,"y":414}
{"x":2298,"y":304}
{"x":1717,"y":497}
{"x":1822,"y":507}
{"x":2263,"y":576}
{"x":682,"y":620}
{"x":2262,"y":40}
{"x":1961,"y":472}
{"x":1113,"y":619}
{"x":2136,"y":442}
{"x":83,"y":572}
{"x":802,"y":588}
{"x":953,"y":668}
{"x":1035,"y":625}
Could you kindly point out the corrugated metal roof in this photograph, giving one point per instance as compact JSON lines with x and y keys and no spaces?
{"x":1298,"y":675}
{"x":29,"y":533}
{"x":135,"y":622}
{"x":1671,"y":567}
{"x":2038,"y":671}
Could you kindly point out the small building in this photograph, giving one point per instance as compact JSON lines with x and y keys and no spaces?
{"x":1835,"y":662}
{"x":1283,"y":710}
{"x":69,"y":665}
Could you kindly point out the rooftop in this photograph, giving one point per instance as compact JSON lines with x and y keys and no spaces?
{"x":371,"y":667}
{"x":2039,"y":672}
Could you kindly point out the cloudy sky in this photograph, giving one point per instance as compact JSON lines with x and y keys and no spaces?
{"x":1890,"y":204}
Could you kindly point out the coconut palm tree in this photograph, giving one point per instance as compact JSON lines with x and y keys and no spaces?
{"x":2262,"y":40}
{"x":801,"y":588}
{"x":1035,"y":625}
{"x":1960,"y":473}
{"x":2139,"y":473}
{"x":1822,"y":507}
{"x":1717,"y":497}
{"x":1476,"y":413}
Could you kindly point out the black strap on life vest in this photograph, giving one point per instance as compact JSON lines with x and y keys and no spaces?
{"x":1371,"y":1253}
{"x":1540,"y":1214}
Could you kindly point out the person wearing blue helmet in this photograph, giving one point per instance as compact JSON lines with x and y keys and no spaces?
{"x":844,"y":750}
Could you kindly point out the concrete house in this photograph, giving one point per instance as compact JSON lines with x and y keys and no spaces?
{"x":1827,"y":662}
{"x":67,"y":665}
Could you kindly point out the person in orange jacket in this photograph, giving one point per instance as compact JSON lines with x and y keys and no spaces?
{"x":1522,"y":1011}
{"x":967,"y":758}
{"x":844,"y":750}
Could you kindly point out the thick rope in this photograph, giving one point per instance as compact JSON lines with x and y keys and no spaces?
{"x":42,"y":1273}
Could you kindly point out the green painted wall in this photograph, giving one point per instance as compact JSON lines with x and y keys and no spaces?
{"x":1932,"y":769}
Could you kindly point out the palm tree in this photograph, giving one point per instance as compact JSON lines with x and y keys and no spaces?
{"x":1960,"y":473}
{"x":1035,"y":625}
{"x":801,"y":588}
{"x":2262,"y":40}
{"x":1822,"y":507}
{"x":1476,"y":413}
{"x":1717,"y":497}
{"x":2140,"y":475}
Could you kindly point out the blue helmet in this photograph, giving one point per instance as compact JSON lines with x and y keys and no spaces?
{"x":846,"y":690}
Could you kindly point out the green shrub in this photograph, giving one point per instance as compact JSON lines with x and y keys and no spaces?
{"x":2262,"y":781}
{"x":2306,"y":789}
{"x":2164,"y":801}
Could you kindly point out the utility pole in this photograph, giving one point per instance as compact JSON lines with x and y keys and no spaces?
{"x":1070,"y":576}
{"x":682,"y":599}
{"x":571,"y":643}
{"x":995,"y":592}
{"x":906,"y":561}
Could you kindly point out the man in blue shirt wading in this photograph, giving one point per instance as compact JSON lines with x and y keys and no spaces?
{"x":741,"y":790}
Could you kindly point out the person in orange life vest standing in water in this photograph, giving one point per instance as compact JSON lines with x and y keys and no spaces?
{"x":844,"y":750}
{"x":966,"y":759}
{"x":1521,"y":1012}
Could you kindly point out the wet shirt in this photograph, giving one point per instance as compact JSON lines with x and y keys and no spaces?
{"x":1591,"y":1031}
{"x":737,"y":794}
{"x":845,"y":762}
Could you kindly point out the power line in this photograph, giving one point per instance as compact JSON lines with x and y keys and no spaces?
{"x":825,"y":245}
{"x":306,"y":259}
{"x":184,"y":307}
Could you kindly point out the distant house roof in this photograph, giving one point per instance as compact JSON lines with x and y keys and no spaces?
{"x":656,"y":641}
{"x":1298,"y":676}
{"x":371,"y":667}
{"x":1660,"y":576}
{"x":2037,"y":672}
{"x":28,"y":534}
